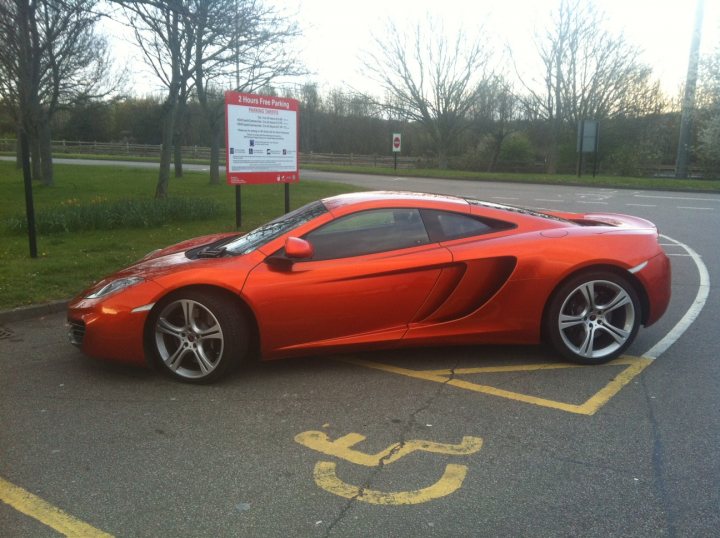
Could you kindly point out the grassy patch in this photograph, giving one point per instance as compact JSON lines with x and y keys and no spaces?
{"x":68,"y":262}
{"x":73,"y":216}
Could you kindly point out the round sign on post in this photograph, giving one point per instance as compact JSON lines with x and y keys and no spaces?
{"x":396,"y":145}
{"x":396,"y":142}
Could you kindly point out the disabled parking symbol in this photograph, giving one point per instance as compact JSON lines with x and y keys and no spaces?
{"x":325,"y":472}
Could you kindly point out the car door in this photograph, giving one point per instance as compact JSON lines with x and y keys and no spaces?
{"x":370,"y":273}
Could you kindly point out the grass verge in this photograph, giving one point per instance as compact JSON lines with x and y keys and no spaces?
{"x":68,"y":262}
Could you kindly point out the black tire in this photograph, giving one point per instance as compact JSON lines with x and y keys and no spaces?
{"x":197,"y":336}
{"x":592,"y":317}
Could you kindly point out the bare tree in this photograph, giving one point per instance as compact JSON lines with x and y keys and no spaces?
{"x":51,"y":56}
{"x":165,"y":34}
{"x":205,"y":46}
{"x":431,"y":79}
{"x":587,"y":73}
{"x":495,"y":114}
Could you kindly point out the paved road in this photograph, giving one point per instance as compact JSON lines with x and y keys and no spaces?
{"x":622,"y":450}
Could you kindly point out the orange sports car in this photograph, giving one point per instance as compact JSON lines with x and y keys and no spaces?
{"x":381,"y":269}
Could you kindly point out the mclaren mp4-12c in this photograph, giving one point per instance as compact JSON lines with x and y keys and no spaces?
{"x":381,"y":269}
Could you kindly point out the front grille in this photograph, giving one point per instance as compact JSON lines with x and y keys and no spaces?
{"x":76,"y":332}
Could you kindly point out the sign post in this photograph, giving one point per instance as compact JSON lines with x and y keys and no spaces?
{"x":396,"y":146}
{"x":587,"y":142}
{"x":261,"y":141}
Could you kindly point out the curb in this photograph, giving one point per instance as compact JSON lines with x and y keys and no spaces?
{"x":34,"y":311}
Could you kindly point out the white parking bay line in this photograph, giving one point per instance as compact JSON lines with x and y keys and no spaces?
{"x":708,"y":200}
{"x":640,"y":205}
{"x":698,"y":208}
{"x":693,"y":312}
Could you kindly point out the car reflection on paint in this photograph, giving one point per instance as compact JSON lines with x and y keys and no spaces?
{"x":381,"y":269}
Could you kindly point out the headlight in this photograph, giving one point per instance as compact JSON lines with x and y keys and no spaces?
{"x":114,"y":286}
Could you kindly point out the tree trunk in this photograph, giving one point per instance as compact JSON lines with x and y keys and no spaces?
{"x":551,"y":166}
{"x":177,"y":136}
{"x":161,"y":190}
{"x":497,"y":145}
{"x":170,"y":107}
{"x":18,"y":150}
{"x":442,"y":159}
{"x":177,"y":155}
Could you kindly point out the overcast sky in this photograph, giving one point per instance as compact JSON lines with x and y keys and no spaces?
{"x":336,"y":32}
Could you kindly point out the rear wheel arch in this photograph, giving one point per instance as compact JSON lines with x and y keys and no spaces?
{"x":614,"y":269}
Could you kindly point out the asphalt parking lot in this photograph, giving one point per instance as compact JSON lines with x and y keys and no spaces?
{"x":470,"y":441}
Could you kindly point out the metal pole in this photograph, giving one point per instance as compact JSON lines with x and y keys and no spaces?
{"x":238,"y":207}
{"x":581,"y":148}
{"x":395,"y":155}
{"x":683,"y":151}
{"x":287,"y":197}
{"x":29,"y":206}
{"x":595,"y":149}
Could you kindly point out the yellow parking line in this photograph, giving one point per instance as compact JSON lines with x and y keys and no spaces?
{"x":503,"y":369}
{"x":621,"y":361}
{"x":33,"y":506}
{"x":635,"y":365}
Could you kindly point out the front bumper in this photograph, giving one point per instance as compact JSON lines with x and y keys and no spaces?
{"x":112,"y":328}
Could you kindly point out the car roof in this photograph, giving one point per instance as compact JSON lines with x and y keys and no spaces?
{"x":420,"y":198}
{"x":345,"y":203}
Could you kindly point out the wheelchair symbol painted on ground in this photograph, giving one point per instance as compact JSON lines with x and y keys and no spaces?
{"x":325,"y":472}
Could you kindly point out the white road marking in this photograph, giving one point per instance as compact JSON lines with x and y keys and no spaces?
{"x":693,"y":312}
{"x":640,"y":205}
{"x":677,"y":198}
{"x":698,"y":208}
{"x":548,"y":200}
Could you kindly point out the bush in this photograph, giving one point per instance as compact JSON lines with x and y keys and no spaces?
{"x":517,"y":149}
{"x":71,"y":216}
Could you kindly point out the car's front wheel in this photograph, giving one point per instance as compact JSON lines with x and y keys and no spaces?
{"x":198,"y":336}
{"x":593,"y":317}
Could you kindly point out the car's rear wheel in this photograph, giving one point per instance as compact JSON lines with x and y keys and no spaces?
{"x":593,"y":317}
{"x":198,"y":336}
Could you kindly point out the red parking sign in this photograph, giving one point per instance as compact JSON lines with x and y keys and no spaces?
{"x":261,"y":139}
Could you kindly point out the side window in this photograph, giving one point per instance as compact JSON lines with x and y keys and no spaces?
{"x":445,"y":225}
{"x":368,"y":232}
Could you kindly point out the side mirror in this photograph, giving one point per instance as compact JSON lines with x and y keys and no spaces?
{"x":295,"y":249}
{"x":298,"y":249}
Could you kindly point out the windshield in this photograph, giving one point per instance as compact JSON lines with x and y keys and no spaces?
{"x":275,"y":228}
